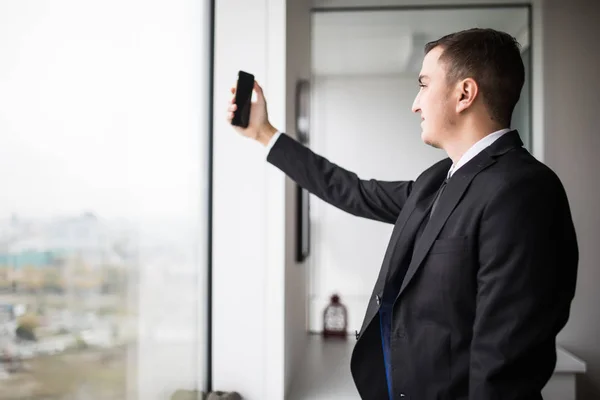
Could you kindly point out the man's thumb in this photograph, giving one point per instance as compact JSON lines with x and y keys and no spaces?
{"x":258,"y":89}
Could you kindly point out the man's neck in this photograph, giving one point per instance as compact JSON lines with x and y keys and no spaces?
{"x":468,"y":137}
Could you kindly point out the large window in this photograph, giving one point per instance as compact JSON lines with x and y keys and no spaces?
{"x":103,"y":158}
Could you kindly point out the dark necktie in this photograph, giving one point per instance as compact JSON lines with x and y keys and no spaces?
{"x":427,"y":218}
{"x":437,"y":197}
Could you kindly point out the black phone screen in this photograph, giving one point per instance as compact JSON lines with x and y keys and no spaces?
{"x":243,"y":98}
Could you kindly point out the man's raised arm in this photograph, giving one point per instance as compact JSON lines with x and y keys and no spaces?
{"x":377,"y":200}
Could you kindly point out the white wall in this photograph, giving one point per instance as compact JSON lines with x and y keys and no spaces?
{"x":240,"y":256}
{"x":364,"y":124}
{"x":259,"y":292}
{"x":102,"y":109}
{"x":352,"y":42}
{"x":572,"y":145}
{"x":537,"y":42}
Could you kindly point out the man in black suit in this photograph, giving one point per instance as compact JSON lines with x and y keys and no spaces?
{"x":481,"y":267}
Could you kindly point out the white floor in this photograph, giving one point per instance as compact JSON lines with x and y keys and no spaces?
{"x":325,"y":373}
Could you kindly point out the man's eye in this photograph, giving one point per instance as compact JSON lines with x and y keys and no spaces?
{"x":421,"y":85}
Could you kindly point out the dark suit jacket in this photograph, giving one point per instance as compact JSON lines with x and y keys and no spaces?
{"x":487,"y":286}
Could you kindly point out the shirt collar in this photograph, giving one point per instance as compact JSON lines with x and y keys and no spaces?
{"x":477,"y":148}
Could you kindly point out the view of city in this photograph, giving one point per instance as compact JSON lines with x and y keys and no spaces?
{"x":102,"y":264}
{"x":67,"y":308}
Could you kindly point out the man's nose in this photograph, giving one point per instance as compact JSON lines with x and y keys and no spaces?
{"x":415,"y":107}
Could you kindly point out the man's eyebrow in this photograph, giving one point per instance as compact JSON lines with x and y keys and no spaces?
{"x":421,"y":77}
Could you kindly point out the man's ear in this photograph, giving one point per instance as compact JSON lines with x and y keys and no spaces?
{"x":467,"y":90}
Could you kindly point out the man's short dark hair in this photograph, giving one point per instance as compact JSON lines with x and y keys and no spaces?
{"x":492,"y":59}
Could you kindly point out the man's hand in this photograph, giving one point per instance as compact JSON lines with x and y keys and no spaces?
{"x":259,"y":127}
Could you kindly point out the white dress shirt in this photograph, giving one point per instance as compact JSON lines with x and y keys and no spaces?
{"x":272,"y":142}
{"x":476,"y":149}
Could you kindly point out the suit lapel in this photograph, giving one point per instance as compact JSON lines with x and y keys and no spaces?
{"x":408,"y":228}
{"x":456,"y":187}
{"x":404,"y":216}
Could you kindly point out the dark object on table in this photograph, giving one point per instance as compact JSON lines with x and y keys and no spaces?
{"x":335,"y":319}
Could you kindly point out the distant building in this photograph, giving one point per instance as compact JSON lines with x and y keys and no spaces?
{"x":52,"y":254}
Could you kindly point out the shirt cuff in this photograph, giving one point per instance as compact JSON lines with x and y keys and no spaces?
{"x":272,"y":142}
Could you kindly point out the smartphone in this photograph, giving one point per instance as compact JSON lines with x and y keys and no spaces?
{"x":243,"y":98}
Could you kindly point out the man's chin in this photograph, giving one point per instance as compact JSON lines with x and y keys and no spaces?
{"x":429,"y":141}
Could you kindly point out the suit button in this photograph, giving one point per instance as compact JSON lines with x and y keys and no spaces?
{"x":378,"y":300}
{"x":402,"y":395}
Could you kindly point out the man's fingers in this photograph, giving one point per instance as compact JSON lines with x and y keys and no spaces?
{"x":232,"y":106}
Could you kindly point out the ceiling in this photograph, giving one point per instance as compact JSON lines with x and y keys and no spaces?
{"x":391,"y":42}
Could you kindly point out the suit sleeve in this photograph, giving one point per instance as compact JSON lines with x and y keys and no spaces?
{"x":377,"y":200}
{"x":525,"y":283}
